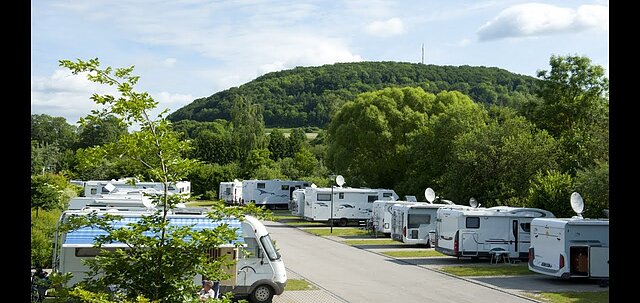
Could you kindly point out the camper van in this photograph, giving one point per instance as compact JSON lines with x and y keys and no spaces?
{"x":271,"y":193}
{"x":104,"y":187}
{"x":230,"y":192}
{"x":570,"y":247}
{"x":478,"y":232}
{"x":259,"y":275}
{"x":349,"y":204}
{"x":413,"y":223}
{"x":381,"y":214}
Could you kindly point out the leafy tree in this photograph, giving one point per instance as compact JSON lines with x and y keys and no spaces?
{"x":551,"y":191}
{"x":305,"y":162}
{"x":100,"y":131}
{"x":42,"y":229}
{"x":277,"y":145}
{"x":221,"y":148}
{"x":248,"y":125}
{"x":44,"y":157}
{"x":296,"y":141}
{"x":593,"y":185}
{"x":170,"y":259}
{"x":367,"y":138}
{"x":207,"y":177}
{"x":46,"y":130}
{"x":494,"y":163}
{"x":45,"y":193}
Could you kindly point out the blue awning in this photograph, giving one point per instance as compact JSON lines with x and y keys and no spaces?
{"x":86,"y":235}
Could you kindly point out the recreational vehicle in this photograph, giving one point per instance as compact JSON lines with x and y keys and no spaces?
{"x":104,"y":187}
{"x":349,"y":204}
{"x":570,"y":247}
{"x":381,"y":214}
{"x":271,"y":193}
{"x":480,"y":232}
{"x":231,"y":192}
{"x":413,"y":223}
{"x":259,"y":275}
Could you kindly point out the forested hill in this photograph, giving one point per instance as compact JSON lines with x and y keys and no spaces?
{"x":306,"y":96}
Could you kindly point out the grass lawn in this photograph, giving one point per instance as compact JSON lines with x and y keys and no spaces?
{"x":299,"y":284}
{"x":572,"y":297}
{"x":371,"y":242}
{"x":412,"y":253}
{"x":303,"y":223}
{"x":200,"y":203}
{"x":489,"y":270}
{"x":338,"y":231}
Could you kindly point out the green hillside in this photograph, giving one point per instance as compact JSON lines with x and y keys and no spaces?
{"x":307,"y":96}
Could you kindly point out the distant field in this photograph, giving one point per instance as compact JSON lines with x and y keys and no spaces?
{"x":287,"y":132}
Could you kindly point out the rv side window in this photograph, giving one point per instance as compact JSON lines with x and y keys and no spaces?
{"x":324,"y":197}
{"x":94,"y":191}
{"x":171,"y":187}
{"x":416,"y":219}
{"x":260,"y":185}
{"x":341,"y":196}
{"x":285,"y":187}
{"x":386,"y":195}
{"x":90,"y":251}
{"x":104,"y":190}
{"x":305,"y":184}
{"x":525,"y":227}
{"x":271,"y":250}
{"x":473,"y":222}
{"x":252,"y":247}
{"x":227,"y":191}
{"x":370,"y":199}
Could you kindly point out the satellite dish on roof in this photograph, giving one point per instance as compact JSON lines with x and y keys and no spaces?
{"x":577,"y":203}
{"x":430,"y":195}
{"x":339,"y":180}
{"x":110,"y":187}
{"x":473,"y":202}
{"x":313,"y":185}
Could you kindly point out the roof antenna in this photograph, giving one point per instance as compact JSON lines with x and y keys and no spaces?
{"x":422,"y":53}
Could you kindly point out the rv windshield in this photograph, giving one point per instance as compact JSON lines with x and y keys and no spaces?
{"x":271,"y":250}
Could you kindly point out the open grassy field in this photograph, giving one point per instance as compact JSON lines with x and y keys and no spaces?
{"x":287,"y":131}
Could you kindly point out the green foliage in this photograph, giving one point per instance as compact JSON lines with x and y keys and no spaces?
{"x":309,"y":96}
{"x":593,"y":185}
{"x":216,"y":147}
{"x":48,"y":192}
{"x":257,"y":158}
{"x":207,"y":177}
{"x":53,"y":130}
{"x":248,"y":125}
{"x":42,"y":228}
{"x":277,"y":145}
{"x":552,"y":191}
{"x":495,"y":163}
{"x":297,"y":141}
{"x":100,"y":131}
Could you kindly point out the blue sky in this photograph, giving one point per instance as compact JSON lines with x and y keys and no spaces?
{"x":188,"y":49}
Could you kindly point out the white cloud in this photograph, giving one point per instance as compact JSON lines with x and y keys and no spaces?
{"x":63,"y":94}
{"x":169,"y":62}
{"x":387,"y":28}
{"x":535,"y":19}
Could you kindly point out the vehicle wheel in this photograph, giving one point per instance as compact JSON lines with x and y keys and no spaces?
{"x":343,"y":222}
{"x":262,"y":294}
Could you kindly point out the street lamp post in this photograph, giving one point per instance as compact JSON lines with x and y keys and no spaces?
{"x":331,"y":209}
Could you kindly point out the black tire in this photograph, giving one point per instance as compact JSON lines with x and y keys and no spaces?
{"x":261,"y":294}
{"x":343,"y":222}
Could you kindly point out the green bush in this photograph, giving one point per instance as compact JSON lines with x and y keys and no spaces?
{"x":42,"y":229}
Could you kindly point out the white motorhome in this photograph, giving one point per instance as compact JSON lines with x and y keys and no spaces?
{"x":271,"y":193}
{"x":105,"y":187}
{"x":381,"y":214}
{"x":349,"y":204}
{"x":230,"y":192}
{"x":413,"y":223}
{"x":259,"y":275}
{"x":570,"y":247}
{"x":475,"y":231}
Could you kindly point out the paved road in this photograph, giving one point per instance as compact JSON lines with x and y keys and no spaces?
{"x":356,"y":275}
